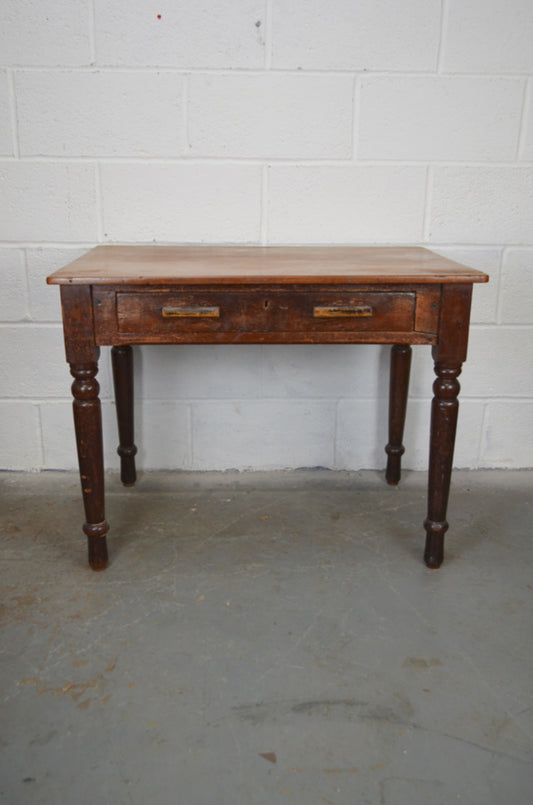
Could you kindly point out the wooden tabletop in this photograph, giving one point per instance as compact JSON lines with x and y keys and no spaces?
{"x":152,"y":265}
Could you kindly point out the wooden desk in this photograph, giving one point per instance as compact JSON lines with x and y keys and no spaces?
{"x":124,"y":295}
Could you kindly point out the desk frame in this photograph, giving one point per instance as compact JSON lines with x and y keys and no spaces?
{"x":112,"y":297}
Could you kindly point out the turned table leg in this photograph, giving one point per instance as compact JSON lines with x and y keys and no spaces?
{"x":444,"y":410}
{"x":88,"y":426}
{"x":400,"y":366}
{"x":122,"y":361}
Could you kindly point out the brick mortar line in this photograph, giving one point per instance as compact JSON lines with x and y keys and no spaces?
{"x":12,"y":99}
{"x":92,"y":31}
{"x":243,"y":71}
{"x":525,"y":116}
{"x":185,"y":89}
{"x":499,"y":287}
{"x":42,"y":444}
{"x":27,"y":290}
{"x":428,"y":203}
{"x":99,"y":202}
{"x":263,"y":235}
{"x":444,"y":17}
{"x":260,"y":161}
{"x":269,"y":39}
{"x":356,"y":117}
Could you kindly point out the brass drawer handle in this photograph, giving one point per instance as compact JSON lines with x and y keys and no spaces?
{"x":198,"y":312}
{"x":332,"y":311}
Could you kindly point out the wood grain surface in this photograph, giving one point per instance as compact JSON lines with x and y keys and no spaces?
{"x":149,"y":265}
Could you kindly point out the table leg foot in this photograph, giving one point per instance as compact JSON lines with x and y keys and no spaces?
{"x":393,"y":472}
{"x":97,"y":544}
{"x":434,"y":550}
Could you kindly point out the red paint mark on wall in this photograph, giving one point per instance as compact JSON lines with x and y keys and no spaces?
{"x":159,"y":16}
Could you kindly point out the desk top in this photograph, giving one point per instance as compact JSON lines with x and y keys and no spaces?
{"x":202,"y":265}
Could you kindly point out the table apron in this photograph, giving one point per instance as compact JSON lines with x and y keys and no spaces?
{"x":266,"y":314}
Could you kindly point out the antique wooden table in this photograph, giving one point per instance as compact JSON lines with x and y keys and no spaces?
{"x":124,"y":295}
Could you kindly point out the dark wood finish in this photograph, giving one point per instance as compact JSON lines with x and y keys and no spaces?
{"x":88,"y":427}
{"x":400,"y":367}
{"x":271,"y":314}
{"x":82,"y":354}
{"x":123,"y":295}
{"x":448,"y":354}
{"x":254,"y":311}
{"x":122,"y":362}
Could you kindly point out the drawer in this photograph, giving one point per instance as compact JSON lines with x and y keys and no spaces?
{"x":264,"y":311}
{"x":360,"y":311}
{"x":191,"y":311}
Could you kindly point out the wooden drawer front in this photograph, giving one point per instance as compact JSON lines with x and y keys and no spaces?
{"x":193,"y":311}
{"x":360,"y":311}
{"x":265,"y":311}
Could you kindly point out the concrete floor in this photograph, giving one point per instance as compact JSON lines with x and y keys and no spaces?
{"x":267,"y":638}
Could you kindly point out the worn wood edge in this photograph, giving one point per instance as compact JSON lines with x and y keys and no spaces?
{"x":270,"y":279}
{"x":423,"y":262}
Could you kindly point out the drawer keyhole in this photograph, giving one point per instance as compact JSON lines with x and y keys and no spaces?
{"x":266,"y":304}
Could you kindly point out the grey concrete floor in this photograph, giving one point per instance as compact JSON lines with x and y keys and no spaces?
{"x":267,"y":638}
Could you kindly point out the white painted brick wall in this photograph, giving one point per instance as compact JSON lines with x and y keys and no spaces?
{"x":181,"y":202}
{"x":286,"y":433}
{"x":13,"y":286}
{"x":271,"y":115}
{"x":100,"y":113}
{"x":482,"y":204}
{"x":485,"y":303}
{"x":6,"y":129}
{"x":366,"y":35}
{"x":503,"y":420}
{"x":187,"y":34}
{"x":527,"y":142}
{"x":262,"y":121}
{"x":20,"y":435}
{"x":517,"y":287}
{"x":438,"y":118}
{"x":47,"y":201}
{"x":343,"y":204}
{"x":44,"y":300}
{"x":489,"y":37}
{"x":47,"y":33}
